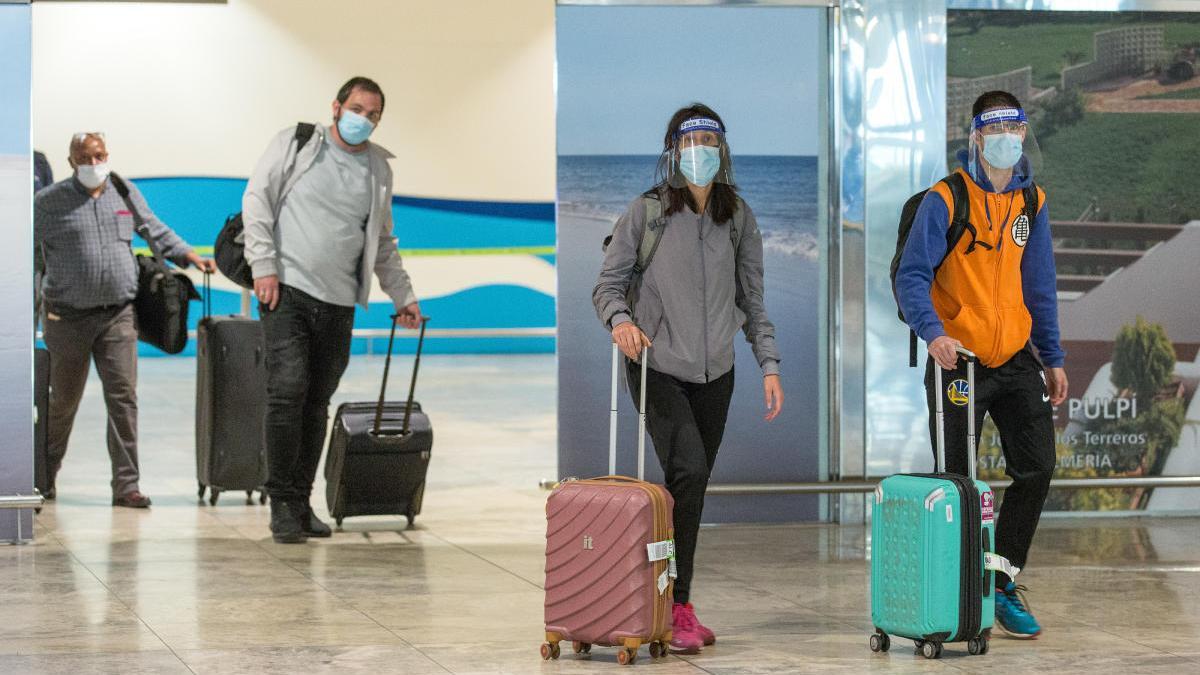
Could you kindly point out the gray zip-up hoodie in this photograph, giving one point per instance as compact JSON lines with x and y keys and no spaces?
{"x":268,"y":187}
{"x":691,"y":302}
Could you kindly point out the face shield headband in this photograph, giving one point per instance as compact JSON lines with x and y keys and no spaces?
{"x":998,"y":115}
{"x":699,"y":124}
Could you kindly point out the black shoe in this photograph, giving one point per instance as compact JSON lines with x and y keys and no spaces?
{"x":132,"y":500}
{"x":311,"y":524}
{"x":285,"y":526}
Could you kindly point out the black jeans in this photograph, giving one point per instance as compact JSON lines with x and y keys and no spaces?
{"x":686,"y":422}
{"x":308,"y":348}
{"x":1015,"y":395}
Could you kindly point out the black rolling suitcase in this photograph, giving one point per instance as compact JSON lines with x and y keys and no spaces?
{"x":379,"y":453}
{"x":231,"y":403}
{"x":41,"y":404}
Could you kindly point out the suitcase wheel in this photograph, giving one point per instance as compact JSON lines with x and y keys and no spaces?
{"x":411,"y":517}
{"x":977,"y":646}
{"x":582,"y":647}
{"x":550,"y":651}
{"x":262,"y":497}
{"x":249,"y":497}
{"x":212,"y":497}
{"x":930,"y":650}
{"x":657,"y":650}
{"x":627,"y":656}
{"x":880,"y":642}
{"x":200,"y":493}
{"x":339,"y":522}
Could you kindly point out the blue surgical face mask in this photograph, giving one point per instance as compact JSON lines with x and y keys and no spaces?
{"x":354,"y":128}
{"x":699,"y":164}
{"x":1002,"y":151}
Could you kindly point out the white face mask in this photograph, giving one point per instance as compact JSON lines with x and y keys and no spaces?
{"x":92,"y":175}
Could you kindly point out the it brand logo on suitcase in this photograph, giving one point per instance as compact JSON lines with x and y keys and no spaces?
{"x":587,"y":542}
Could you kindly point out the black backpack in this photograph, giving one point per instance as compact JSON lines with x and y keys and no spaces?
{"x":960,"y":224}
{"x":230,"y":248}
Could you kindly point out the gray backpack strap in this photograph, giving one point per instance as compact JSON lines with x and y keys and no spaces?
{"x":738,"y":226}
{"x":651,"y":233}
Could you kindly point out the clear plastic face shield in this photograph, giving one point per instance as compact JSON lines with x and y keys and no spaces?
{"x":1001,"y":139}
{"x":699,"y":155}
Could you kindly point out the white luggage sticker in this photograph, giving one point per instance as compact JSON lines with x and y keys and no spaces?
{"x":661,"y":550}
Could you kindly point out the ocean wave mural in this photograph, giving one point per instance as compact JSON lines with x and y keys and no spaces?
{"x":484,"y":271}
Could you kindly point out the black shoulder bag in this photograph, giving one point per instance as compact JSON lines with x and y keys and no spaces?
{"x":163,"y":293}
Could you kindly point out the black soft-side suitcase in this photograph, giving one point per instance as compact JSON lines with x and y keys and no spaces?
{"x":231,"y":403}
{"x":41,"y":404}
{"x":379,"y":453}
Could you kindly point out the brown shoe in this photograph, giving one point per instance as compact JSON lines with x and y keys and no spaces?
{"x":132,"y":500}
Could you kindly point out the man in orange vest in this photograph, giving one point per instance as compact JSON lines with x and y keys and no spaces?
{"x":993,"y":292}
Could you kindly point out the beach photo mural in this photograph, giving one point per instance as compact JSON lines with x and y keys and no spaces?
{"x":1114,"y":98}
{"x":621,"y":73}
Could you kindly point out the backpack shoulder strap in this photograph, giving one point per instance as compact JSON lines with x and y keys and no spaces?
{"x":304,"y":132}
{"x":738,"y":226}
{"x":962,"y":199}
{"x":651,"y":233}
{"x":960,"y":218}
{"x":1031,"y":202}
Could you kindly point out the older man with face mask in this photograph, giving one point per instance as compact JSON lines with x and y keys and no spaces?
{"x":83,"y":233}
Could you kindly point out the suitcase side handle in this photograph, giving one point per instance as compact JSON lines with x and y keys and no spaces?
{"x":612,"y":415}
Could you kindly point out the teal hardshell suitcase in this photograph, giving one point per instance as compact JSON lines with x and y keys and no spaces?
{"x":932,"y":560}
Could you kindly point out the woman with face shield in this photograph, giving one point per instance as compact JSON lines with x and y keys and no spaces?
{"x":977,"y":271}
{"x":682,"y":273}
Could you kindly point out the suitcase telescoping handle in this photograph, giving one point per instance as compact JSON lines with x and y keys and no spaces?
{"x":387,"y":367}
{"x":207,"y":294}
{"x":941,"y":414}
{"x":612,"y":415}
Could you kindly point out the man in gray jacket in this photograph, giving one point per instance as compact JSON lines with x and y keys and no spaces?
{"x":318,"y":223}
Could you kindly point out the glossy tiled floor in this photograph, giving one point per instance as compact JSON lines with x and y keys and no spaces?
{"x":190,"y":588}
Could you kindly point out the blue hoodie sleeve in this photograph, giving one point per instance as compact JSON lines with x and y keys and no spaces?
{"x":924,"y":250}
{"x":1040,"y":288}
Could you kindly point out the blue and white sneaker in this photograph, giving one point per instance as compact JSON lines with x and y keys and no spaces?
{"x":1012,"y":614}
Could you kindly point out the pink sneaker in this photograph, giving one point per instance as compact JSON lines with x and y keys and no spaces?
{"x":685,"y":635}
{"x":705,"y":633}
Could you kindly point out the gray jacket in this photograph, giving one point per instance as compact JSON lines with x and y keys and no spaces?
{"x":269,"y":185}
{"x":689,"y":303}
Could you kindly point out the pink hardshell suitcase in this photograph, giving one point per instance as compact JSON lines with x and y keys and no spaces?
{"x":610,"y":559}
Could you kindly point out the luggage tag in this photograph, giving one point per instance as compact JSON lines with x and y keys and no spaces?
{"x":998,"y":563}
{"x":663,"y":550}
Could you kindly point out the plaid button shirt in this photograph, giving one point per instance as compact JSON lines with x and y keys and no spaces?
{"x":85,"y":244}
